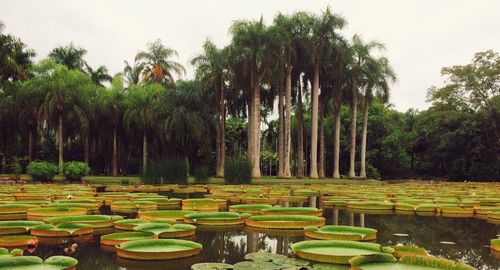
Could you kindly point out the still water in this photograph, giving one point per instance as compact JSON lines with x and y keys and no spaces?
{"x":463,"y":239}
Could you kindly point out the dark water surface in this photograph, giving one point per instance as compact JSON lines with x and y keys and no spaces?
{"x":470,"y":239}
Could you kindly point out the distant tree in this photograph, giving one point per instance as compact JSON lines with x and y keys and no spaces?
{"x":70,"y":56}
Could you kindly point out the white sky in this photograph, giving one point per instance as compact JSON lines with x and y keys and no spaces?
{"x":421,"y":36}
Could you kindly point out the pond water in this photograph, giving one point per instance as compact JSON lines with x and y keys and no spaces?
{"x":463,"y":239}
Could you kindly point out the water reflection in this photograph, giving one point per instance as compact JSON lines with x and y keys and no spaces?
{"x":230,"y":244}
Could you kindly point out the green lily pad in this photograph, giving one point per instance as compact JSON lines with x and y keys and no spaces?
{"x":211,"y":266}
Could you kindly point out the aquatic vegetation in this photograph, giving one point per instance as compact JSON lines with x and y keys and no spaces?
{"x":158,"y":249}
{"x":292,"y":211}
{"x":400,"y":251}
{"x":130,"y":207}
{"x":54,"y":211}
{"x":17,"y":226}
{"x":216,"y":218}
{"x":36,"y":263}
{"x":284,"y":221}
{"x":61,"y":230}
{"x":16,"y":240}
{"x":335,"y":251}
{"x":249,"y":208}
{"x":164,"y":214}
{"x":114,"y":239}
{"x":333,"y":232}
{"x":97,"y":221}
{"x":388,"y":262}
{"x":166,"y":230}
{"x":495,"y":245}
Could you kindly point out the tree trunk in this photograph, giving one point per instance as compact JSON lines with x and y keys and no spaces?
{"x":321,"y":171}
{"x":314,"y":122}
{"x":86,"y":148}
{"x":30,"y":145}
{"x":288,"y":119}
{"x":352,"y":161}
{"x":254,"y":127}
{"x":114,"y":170}
{"x":362,"y":173}
{"x":144,"y":152}
{"x":222,"y":131}
{"x":336,"y":144}
{"x":281,"y":134}
{"x":300,"y":134}
{"x":60,"y":144}
{"x":218,"y":140}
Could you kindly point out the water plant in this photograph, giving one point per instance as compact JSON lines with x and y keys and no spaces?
{"x":216,"y":218}
{"x":334,"y":232}
{"x":284,"y":221}
{"x":158,"y":249}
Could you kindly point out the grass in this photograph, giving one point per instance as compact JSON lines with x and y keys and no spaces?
{"x":265,"y":180}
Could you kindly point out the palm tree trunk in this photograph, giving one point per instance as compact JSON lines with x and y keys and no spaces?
{"x":114,"y":169}
{"x":314,"y":122}
{"x":281,"y":134}
{"x":30,"y":145}
{"x":60,"y":143}
{"x":218,"y":171}
{"x":362,"y":173}
{"x":321,"y":171}
{"x":144,"y":152}
{"x":300,"y":134}
{"x":86,"y":148}
{"x":288,"y":119}
{"x":221,"y":134}
{"x":352,"y":160}
{"x":336,"y":144}
{"x":254,"y":127}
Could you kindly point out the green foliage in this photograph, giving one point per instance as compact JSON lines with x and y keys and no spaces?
{"x":15,"y":168}
{"x":237,"y":171}
{"x":166,"y":171}
{"x":201,"y":175}
{"x":75,"y":170}
{"x":42,"y":171}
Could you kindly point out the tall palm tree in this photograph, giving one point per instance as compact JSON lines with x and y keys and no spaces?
{"x":211,"y":70}
{"x":250,"y":40}
{"x":132,"y":74}
{"x":64,"y":98}
{"x":323,"y":32}
{"x":158,"y":67}
{"x":15,"y":58}
{"x":70,"y":56}
{"x":359,"y":70}
{"x":379,"y":75}
{"x":99,"y":75}
{"x":29,"y":101}
{"x":141,"y":106}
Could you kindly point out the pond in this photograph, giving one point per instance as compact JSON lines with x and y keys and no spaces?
{"x":463,"y":239}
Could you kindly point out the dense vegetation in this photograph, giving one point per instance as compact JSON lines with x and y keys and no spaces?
{"x":331,"y":93}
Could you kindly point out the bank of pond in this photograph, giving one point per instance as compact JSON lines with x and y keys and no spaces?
{"x":146,"y":224}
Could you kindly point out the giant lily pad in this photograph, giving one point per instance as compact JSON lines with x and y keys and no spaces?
{"x":292,"y":211}
{"x":61,"y":230}
{"x":158,"y":249}
{"x":97,"y":221}
{"x":17,"y":226}
{"x":333,"y":232}
{"x":409,"y":262}
{"x":36,"y":263}
{"x":164,"y":214}
{"x":118,"y":238}
{"x":166,"y":230}
{"x":284,"y":221}
{"x":335,"y":251}
{"x":216,"y":218}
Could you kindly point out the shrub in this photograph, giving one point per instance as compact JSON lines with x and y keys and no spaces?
{"x":15,"y":168}
{"x":201,"y":175}
{"x":166,"y":171}
{"x":75,"y":170}
{"x":237,"y":171}
{"x":42,"y":171}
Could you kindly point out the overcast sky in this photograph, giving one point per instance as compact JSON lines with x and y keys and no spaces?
{"x":421,"y":36}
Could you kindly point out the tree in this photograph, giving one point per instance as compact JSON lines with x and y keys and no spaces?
{"x":158,"y":67}
{"x":70,"y":56}
{"x":379,"y":75}
{"x":64,"y":98}
{"x":132,"y":74}
{"x":249,"y":40}
{"x":15,"y":58}
{"x":141,"y":110}
{"x":211,"y":71}
{"x":99,"y":75}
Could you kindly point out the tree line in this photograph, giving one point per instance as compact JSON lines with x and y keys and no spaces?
{"x":331,"y":95}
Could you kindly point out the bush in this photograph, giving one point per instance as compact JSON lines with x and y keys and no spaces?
{"x":16,"y":169}
{"x":75,"y":170}
{"x":42,"y":171}
{"x":201,"y":175}
{"x":237,"y":171}
{"x":167,"y":171}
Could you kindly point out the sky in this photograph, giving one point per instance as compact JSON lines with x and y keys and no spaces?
{"x":421,"y":36}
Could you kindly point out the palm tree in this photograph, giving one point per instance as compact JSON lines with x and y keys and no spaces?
{"x":141,"y":105}
{"x":211,"y":70}
{"x":361,"y":55}
{"x":323,"y":32}
{"x":64,"y":98}
{"x":250,"y":40}
{"x":15,"y":58}
{"x":132,"y":74}
{"x":29,"y":104}
{"x":70,"y":56}
{"x":99,"y":75}
{"x":379,"y":75}
{"x":157,"y":64}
